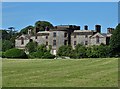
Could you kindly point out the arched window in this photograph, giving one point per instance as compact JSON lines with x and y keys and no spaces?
{"x":22,"y":40}
{"x":97,"y":39}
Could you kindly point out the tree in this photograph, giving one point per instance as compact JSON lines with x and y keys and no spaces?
{"x":42,"y":48}
{"x":5,"y":35}
{"x":80,"y":51}
{"x":41,"y":52}
{"x":41,"y":25}
{"x":12,"y":31}
{"x":100,"y":51}
{"x":7,"y":44}
{"x":25,"y":30}
{"x":31,"y":46}
{"x":65,"y":50}
{"x":115,"y":41}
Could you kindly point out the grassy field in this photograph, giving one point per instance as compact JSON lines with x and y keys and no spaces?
{"x":60,"y":73}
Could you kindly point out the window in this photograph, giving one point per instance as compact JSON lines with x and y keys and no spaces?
{"x":46,"y":37}
{"x":86,"y":42}
{"x":65,"y":34}
{"x":65,"y":42}
{"x":31,"y":40}
{"x":35,"y":37}
{"x":54,"y":34}
{"x":46,"y":43}
{"x":86,"y":36}
{"x":97,"y":39}
{"x":22,"y":40}
{"x":54,"y":42}
{"x":74,"y":42}
{"x":74,"y":36}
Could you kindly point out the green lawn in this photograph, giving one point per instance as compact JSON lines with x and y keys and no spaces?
{"x":60,"y":73}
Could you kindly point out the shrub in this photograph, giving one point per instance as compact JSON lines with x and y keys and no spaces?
{"x":5,"y":45}
{"x":39,"y":54}
{"x":15,"y":53}
{"x":2,"y":54}
{"x":100,"y":51}
{"x":31,"y":46}
{"x":42,"y":48}
{"x":36,"y":54}
{"x":48,"y":55}
{"x":65,"y":51}
{"x":80,"y":51}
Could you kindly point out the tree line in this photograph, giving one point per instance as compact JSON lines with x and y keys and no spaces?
{"x":41,"y":51}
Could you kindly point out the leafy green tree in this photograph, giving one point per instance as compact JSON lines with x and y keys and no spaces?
{"x":42,"y":48}
{"x":7,"y":44}
{"x":4,"y":34}
{"x":25,"y":30}
{"x":41,"y":25}
{"x":41,"y":52}
{"x":115,"y":41}
{"x":31,"y":46}
{"x":100,"y":51}
{"x":80,"y":51}
{"x":92,"y":52}
{"x":65,"y":50}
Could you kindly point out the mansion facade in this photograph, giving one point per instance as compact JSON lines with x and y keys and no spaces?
{"x":65,"y":35}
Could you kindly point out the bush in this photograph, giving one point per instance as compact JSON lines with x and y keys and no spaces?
{"x":48,"y":55}
{"x":65,"y":51}
{"x":80,"y":51}
{"x":36,"y":54}
{"x":2,"y":54}
{"x":15,"y":53}
{"x":42,"y":55}
{"x":31,"y":46}
{"x":42,"y":48}
{"x":5,"y":45}
{"x":101,"y":51}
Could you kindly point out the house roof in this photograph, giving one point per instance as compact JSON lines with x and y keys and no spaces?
{"x":102,"y":35}
{"x":26,"y":37}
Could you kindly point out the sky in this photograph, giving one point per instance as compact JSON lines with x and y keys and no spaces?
{"x":22,"y":14}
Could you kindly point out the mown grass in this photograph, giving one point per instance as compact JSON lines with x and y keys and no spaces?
{"x":60,"y":73}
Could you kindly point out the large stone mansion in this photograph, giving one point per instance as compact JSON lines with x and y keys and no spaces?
{"x":65,"y":35}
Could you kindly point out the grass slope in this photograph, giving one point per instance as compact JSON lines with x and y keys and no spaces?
{"x":60,"y":73}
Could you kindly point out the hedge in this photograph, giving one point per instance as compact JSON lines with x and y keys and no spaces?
{"x":15,"y":53}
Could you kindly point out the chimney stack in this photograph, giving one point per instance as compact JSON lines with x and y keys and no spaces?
{"x":29,"y":31}
{"x":98,"y":28}
{"x":86,"y":27}
{"x":46,"y":28}
{"x":109,"y":30}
